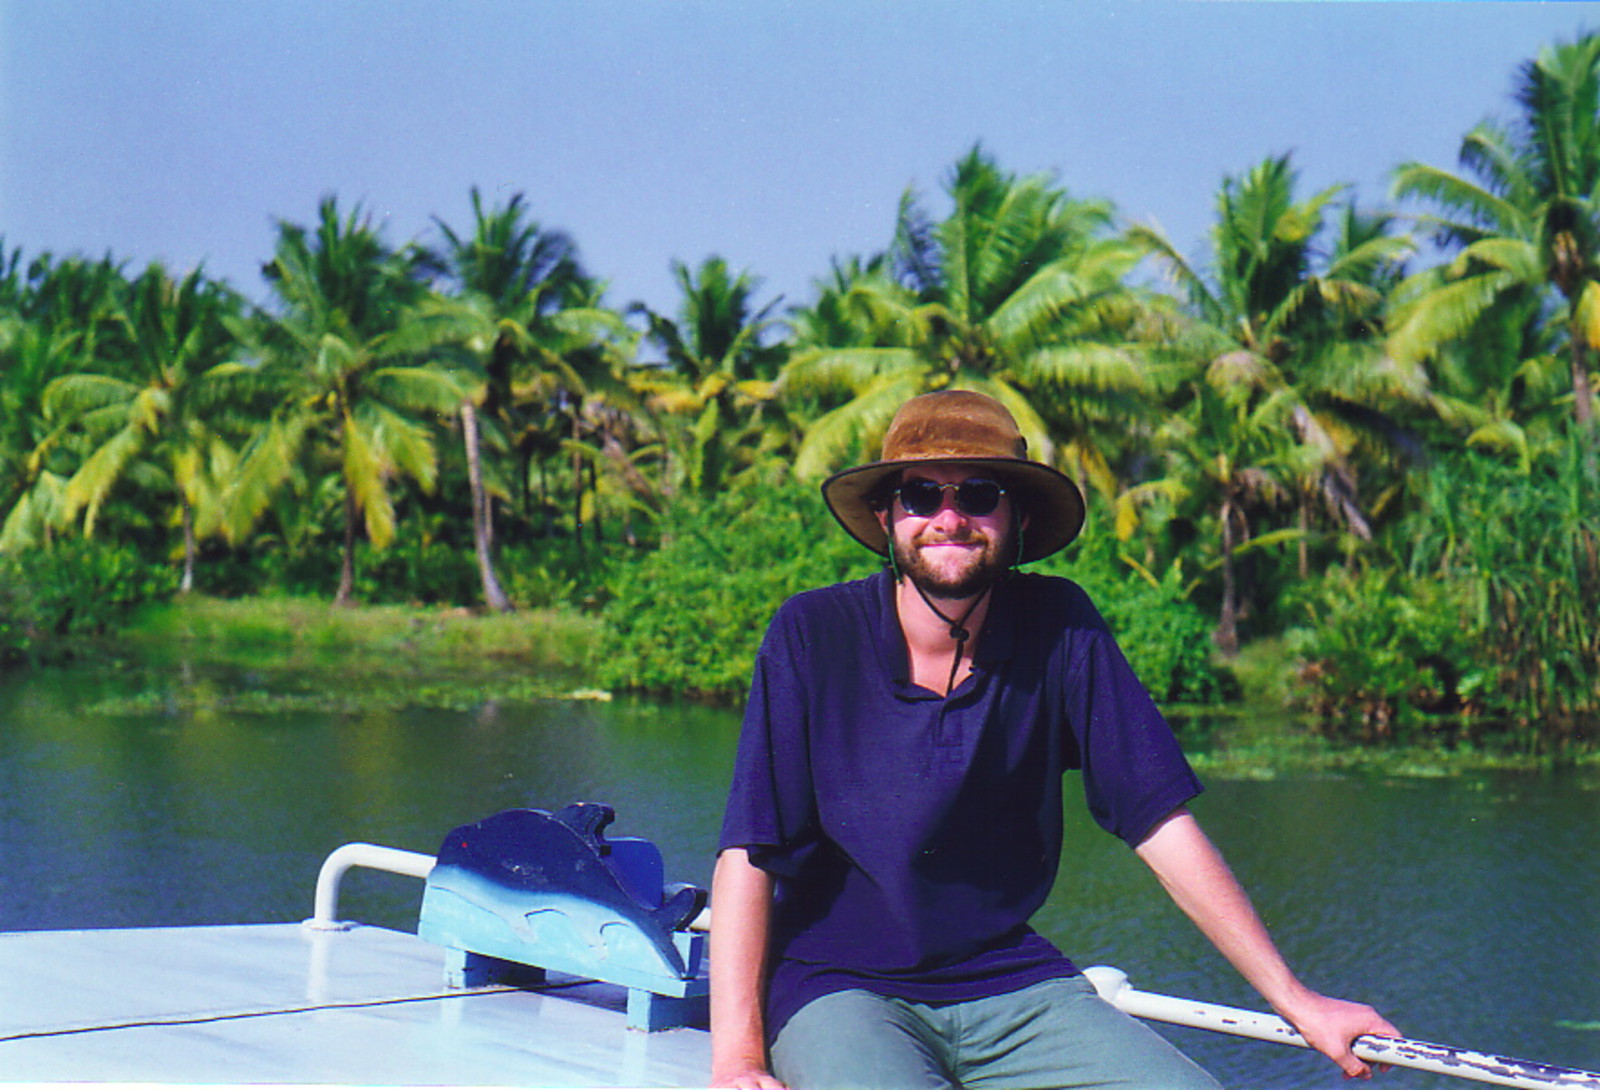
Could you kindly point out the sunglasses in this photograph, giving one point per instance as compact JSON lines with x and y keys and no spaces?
{"x":975,"y":497}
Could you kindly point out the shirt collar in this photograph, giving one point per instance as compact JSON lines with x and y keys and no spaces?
{"x":995,"y":642}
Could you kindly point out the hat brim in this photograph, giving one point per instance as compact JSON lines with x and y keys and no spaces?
{"x":1053,"y":504}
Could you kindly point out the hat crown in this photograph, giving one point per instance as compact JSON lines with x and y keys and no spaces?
{"x":952,"y":425}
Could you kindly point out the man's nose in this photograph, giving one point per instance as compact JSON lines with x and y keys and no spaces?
{"x":948,"y":514}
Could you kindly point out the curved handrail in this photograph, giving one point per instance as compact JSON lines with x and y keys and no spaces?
{"x":325,"y":912}
{"x":1112,"y":984}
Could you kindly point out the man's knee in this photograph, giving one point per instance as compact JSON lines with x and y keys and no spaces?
{"x":858,"y":1040}
{"x":1061,"y":1033}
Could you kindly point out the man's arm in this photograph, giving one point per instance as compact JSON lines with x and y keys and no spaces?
{"x":741,"y":899}
{"x":1197,"y":878}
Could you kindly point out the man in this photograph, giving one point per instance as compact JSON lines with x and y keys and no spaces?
{"x":895,"y":816}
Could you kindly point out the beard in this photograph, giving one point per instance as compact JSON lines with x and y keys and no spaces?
{"x":979,"y":568}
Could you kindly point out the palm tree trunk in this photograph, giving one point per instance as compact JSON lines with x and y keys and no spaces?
{"x":577,"y":487}
{"x":347,"y":563}
{"x":1227,"y":634}
{"x":1582,"y":391}
{"x":186,"y":583}
{"x":594,"y":491}
{"x":482,"y":515}
{"x":1305,"y":532}
{"x":545,"y":528}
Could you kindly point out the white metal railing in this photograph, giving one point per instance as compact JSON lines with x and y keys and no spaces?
{"x":1112,"y":984}
{"x":325,"y":913}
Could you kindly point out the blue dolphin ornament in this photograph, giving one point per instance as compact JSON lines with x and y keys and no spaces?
{"x":548,"y":890}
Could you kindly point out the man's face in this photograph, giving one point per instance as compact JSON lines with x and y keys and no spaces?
{"x":949,"y":553}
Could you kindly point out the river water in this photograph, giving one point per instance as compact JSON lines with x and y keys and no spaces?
{"x":1467,"y":908}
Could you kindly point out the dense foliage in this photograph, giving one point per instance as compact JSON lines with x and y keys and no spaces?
{"x":1486,"y":624}
{"x":1366,"y":435}
{"x":71,"y":595}
{"x":687,"y":617}
{"x":1164,"y":634}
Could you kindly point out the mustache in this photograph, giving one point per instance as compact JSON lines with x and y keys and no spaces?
{"x":965,"y":535}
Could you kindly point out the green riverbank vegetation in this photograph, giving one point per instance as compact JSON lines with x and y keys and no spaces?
{"x":1345,"y":457}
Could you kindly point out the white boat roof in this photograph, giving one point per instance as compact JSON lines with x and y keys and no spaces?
{"x":284,"y":1004}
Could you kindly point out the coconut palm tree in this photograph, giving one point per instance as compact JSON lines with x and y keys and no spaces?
{"x":159,"y":404}
{"x":530,"y":321}
{"x":1289,"y":306}
{"x":57,"y":317}
{"x":1018,"y":292}
{"x":1228,"y":459}
{"x":350,"y":391}
{"x":509,"y":276}
{"x":1523,"y":217}
{"x":1506,"y":389}
{"x":718,"y":372}
{"x":31,"y":356}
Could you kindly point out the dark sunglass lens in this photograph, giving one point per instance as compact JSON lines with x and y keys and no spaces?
{"x":974,"y":498}
{"x":978,"y":498}
{"x":920,"y":498}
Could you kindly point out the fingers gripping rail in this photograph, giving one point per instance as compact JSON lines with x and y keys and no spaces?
{"x":1112,"y":984}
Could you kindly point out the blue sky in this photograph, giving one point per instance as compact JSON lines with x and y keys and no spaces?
{"x":775,"y":134}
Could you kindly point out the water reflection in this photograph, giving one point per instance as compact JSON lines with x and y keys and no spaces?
{"x":1468,"y":909}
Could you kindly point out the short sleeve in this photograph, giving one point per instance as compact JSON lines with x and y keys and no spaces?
{"x":771,"y":804}
{"x":1134,"y":771}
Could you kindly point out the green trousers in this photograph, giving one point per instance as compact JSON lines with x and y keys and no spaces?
{"x":1055,"y":1034}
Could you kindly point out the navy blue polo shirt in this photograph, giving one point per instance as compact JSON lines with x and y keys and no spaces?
{"x":913,"y":835}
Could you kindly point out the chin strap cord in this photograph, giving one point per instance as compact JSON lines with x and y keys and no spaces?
{"x":958,"y":628}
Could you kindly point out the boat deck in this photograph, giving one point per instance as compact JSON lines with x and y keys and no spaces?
{"x":280,"y":1003}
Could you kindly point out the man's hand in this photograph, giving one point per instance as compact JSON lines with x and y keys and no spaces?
{"x":1331,"y":1026}
{"x":746,"y":1078}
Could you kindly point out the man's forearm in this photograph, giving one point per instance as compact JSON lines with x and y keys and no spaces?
{"x":1199,"y":881}
{"x":1195,"y":875}
{"x":741,"y":913}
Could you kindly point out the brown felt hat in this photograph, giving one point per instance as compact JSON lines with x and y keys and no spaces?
{"x":962,"y":428}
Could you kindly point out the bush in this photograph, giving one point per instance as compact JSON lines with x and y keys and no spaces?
{"x":408,"y":570}
{"x":52,"y":599}
{"x":1488,"y":614}
{"x":1166,"y":637}
{"x":687,"y":618}
{"x":1380,"y":649}
{"x":552,"y":572}
{"x":535,"y":575}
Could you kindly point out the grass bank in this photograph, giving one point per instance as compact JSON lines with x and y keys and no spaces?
{"x":283,"y":653}
{"x":1265,"y":734}
{"x":448,"y":636}
{"x":1244,"y":743}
